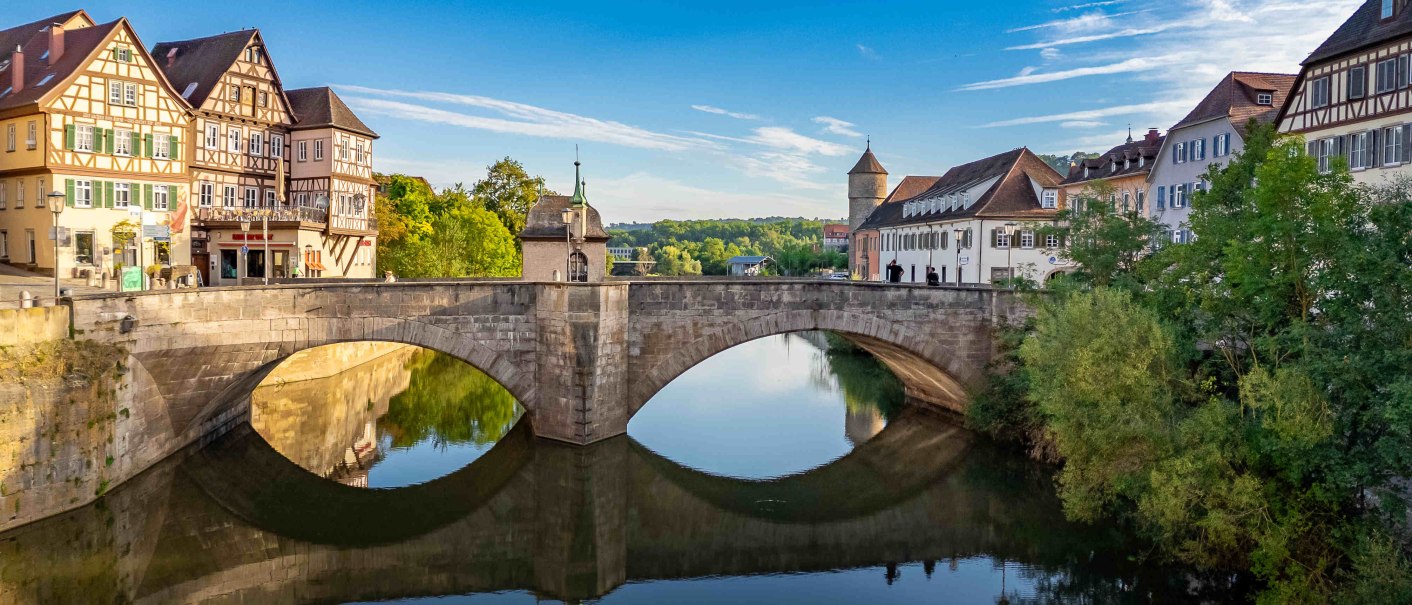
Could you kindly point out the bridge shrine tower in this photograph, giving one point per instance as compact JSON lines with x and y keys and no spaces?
{"x":563,"y":239}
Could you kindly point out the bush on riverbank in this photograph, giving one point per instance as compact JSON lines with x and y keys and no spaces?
{"x":1244,"y":400}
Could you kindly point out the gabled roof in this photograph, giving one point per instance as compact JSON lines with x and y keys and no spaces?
{"x":747,"y":260}
{"x":1012,"y":195}
{"x":1132,"y":158}
{"x":202,"y":61}
{"x":320,"y":107}
{"x":79,"y":46}
{"x":835,"y":230}
{"x":868,"y":163}
{"x":1235,"y":99}
{"x":1364,"y":28}
{"x":20,"y":35}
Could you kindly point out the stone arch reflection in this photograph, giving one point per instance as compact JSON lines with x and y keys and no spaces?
{"x":339,"y":410}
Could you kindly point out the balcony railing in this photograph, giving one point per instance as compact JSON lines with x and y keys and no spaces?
{"x":290,"y":214}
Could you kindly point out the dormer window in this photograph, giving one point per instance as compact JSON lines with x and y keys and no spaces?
{"x":1387,"y":9}
{"x":252,"y":54}
{"x":1265,"y":98}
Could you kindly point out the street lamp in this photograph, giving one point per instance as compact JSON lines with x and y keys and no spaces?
{"x":567,"y":214}
{"x":1009,"y":250}
{"x":960,"y":237}
{"x":244,"y":245}
{"x":308,"y":255}
{"x":56,"y":207}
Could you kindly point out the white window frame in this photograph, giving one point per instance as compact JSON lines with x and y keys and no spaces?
{"x":83,"y":194}
{"x":1319,"y":93}
{"x":161,"y":197}
{"x":83,"y":138}
{"x":1362,"y":78}
{"x":39,"y":192}
{"x":10,"y":137}
{"x":1049,"y":200}
{"x":161,"y":146}
{"x":233,"y":139}
{"x":257,"y":143}
{"x":1387,"y":76}
{"x":1027,"y":240}
{"x":4,"y":194}
{"x":318,"y":150}
{"x":270,"y":201}
{"x":276,"y":145}
{"x":1392,"y":145}
{"x":122,"y":195}
{"x":1179,"y":153}
{"x":130,"y":94}
{"x":252,"y":197}
{"x":115,"y":92}
{"x":1264,"y":98}
{"x":207,"y":194}
{"x":213,"y":136}
{"x":122,"y":142}
{"x":31,"y":135}
{"x":1358,"y":156}
{"x":1002,"y":240}
{"x":229,"y":196}
{"x":20,"y":192}
{"x":303,"y":151}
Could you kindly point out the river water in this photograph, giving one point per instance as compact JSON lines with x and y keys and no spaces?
{"x":786,"y":470}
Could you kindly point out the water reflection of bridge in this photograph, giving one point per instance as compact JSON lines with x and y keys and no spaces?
{"x":561,"y":521}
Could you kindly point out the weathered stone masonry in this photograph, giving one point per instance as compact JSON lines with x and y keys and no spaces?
{"x":581,"y":358}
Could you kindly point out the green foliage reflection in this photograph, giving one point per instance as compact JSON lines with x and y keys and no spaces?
{"x":865,"y":381}
{"x":448,"y":402}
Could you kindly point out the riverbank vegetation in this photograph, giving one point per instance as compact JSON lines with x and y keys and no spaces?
{"x":704,"y":247}
{"x":1243,"y":400}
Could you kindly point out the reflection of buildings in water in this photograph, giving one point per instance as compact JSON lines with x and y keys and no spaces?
{"x":359,"y":458}
{"x":312,"y":415}
{"x":861,"y":424}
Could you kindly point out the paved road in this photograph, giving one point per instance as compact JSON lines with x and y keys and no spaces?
{"x":14,"y":280}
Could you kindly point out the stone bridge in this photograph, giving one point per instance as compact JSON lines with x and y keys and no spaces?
{"x":581,"y":358}
{"x":535,"y":515}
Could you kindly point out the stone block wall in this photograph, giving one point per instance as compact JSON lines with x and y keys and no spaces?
{"x":33,"y":325}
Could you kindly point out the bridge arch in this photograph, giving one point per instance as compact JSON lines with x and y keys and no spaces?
{"x":210,"y":380}
{"x":930,"y":370}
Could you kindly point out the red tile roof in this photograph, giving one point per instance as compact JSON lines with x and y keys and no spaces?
{"x":1134,"y":158}
{"x":40,"y":75}
{"x":1013,"y":195}
{"x":202,"y":61}
{"x":1236,"y":98}
{"x":1364,"y":28}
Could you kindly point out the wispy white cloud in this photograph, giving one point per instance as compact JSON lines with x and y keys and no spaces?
{"x":1089,"y":5}
{"x":1130,"y":32}
{"x":516,"y":118}
{"x":837,"y":126}
{"x":1051,"y":55}
{"x":1088,"y":115}
{"x":1092,"y":20}
{"x":643,"y":196}
{"x":867,"y":52}
{"x":779,"y":137}
{"x":1127,"y":66}
{"x":1077,"y":124}
{"x":726,"y":112}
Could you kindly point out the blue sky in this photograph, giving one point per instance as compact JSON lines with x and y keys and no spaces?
{"x":736,"y":109}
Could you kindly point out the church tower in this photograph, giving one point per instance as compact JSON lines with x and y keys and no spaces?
{"x":867,"y":187}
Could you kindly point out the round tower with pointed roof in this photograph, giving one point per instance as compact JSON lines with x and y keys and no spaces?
{"x":867,"y":188}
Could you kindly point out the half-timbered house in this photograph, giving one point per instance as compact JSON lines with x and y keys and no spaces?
{"x":332,"y":170}
{"x":1353,"y":99}
{"x":96,"y":123}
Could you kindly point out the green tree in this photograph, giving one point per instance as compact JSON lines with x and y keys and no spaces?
{"x":1105,"y":241}
{"x":448,"y":403}
{"x":673,"y":261}
{"x":508,"y":191}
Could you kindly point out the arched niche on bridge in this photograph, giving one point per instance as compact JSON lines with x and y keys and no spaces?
{"x":929,"y":370}
{"x":911,"y":454}
{"x":252,"y":481}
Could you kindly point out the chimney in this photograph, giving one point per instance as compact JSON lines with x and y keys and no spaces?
{"x":171,"y":56}
{"x":17,"y":69}
{"x":1152,"y":135}
{"x":56,"y":43}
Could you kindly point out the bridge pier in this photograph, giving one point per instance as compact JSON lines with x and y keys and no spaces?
{"x":582,"y":362}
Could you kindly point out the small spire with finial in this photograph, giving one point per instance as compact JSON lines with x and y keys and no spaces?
{"x":1130,"y":133}
{"x":579,"y":198}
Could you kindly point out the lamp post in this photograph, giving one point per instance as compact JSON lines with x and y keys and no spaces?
{"x":265,"y":235}
{"x":309,"y":253}
{"x":56,"y":207}
{"x":1009,"y":250}
{"x":960,"y":237}
{"x":567,"y":214}
{"x":244,"y":245}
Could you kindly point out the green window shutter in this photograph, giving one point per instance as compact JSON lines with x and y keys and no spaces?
{"x":97,"y":140}
{"x":69,"y":140}
{"x":108,"y":194}
{"x":69,"y":189}
{"x":136,"y":144}
{"x":115,"y":54}
{"x":173,"y":194}
{"x":147,"y":145}
{"x":108,"y":141}
{"x":174,"y":149}
{"x":147,"y":196}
